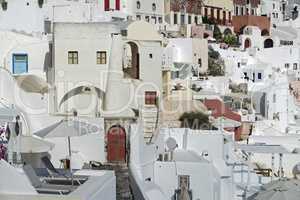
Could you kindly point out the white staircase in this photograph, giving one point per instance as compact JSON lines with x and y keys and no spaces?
{"x":149,"y":116}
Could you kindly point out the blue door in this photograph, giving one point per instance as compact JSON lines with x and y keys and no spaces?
{"x":20,"y":63}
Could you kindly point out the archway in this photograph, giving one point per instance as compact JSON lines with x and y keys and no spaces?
{"x":80,"y":90}
{"x":265,"y":32}
{"x":268,"y":43}
{"x":227,"y":31}
{"x":247,"y":43}
{"x":205,"y":35}
{"x":131,"y":63}
{"x":116,"y":144}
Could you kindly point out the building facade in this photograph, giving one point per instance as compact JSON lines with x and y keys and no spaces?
{"x":246,"y":7}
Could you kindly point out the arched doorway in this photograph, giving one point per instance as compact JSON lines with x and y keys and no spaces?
{"x":116,"y":144}
{"x":268,"y":43}
{"x":131,"y":63}
{"x":205,"y":35}
{"x":227,"y":31}
{"x":247,"y":43}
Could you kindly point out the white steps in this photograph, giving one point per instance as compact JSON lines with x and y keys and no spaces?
{"x":149,"y":116}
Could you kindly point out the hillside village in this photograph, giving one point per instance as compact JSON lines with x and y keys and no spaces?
{"x":149,"y":99}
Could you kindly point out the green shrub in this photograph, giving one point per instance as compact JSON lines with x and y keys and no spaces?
{"x":195,"y":120}
{"x":230,"y":40}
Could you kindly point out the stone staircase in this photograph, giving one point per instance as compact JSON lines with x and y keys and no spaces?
{"x":122,"y":179}
{"x":150,"y":121}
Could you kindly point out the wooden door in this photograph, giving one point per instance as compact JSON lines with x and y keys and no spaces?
{"x":116,"y":144}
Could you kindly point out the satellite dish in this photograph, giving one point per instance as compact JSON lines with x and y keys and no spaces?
{"x":296,"y":170}
{"x":171,"y":144}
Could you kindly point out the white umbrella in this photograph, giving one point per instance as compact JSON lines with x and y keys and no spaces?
{"x":32,"y":144}
{"x":284,"y":189}
{"x":67,"y":129}
{"x":225,"y":123}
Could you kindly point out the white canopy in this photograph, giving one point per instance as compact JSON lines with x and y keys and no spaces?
{"x":68,"y":128}
{"x":32,"y":144}
{"x":32,"y":83}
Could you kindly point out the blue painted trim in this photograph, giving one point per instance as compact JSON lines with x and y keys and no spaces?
{"x":13,"y":61}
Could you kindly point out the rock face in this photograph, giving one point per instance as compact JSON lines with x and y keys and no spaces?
{"x":122,"y":179}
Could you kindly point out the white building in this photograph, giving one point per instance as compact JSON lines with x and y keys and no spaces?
{"x":116,"y":60}
{"x":272,"y":9}
{"x":148,"y":10}
{"x":191,"y":51}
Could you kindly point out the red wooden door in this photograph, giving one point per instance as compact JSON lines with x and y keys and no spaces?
{"x":117,"y":4}
{"x":106,"y":5}
{"x":116,"y":144}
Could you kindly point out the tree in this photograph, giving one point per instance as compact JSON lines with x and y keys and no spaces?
{"x":212,"y":53}
{"x":230,"y":39}
{"x":195,"y":120}
{"x":215,"y":67}
{"x":215,"y":63}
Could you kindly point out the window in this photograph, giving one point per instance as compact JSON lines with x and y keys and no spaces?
{"x":252,"y":12}
{"x":274,"y":98}
{"x":239,"y":64}
{"x":205,"y":12}
{"x":175,"y":18}
{"x":286,"y":65}
{"x":182,"y":19}
{"x":196,"y":20}
{"x":150,"y":97}
{"x":189,"y":19}
{"x":242,"y":11}
{"x":154,"y":7}
{"x":236,"y":11}
{"x":184,"y":182}
{"x":295,"y":66}
{"x":259,"y":76}
{"x":273,"y":5}
{"x":20,"y":63}
{"x":138,"y":17}
{"x":73,"y":57}
{"x":101,"y":58}
{"x":200,"y":62}
{"x":160,"y":20}
{"x":151,"y":55}
{"x":138,"y":5}
{"x":147,"y":18}
{"x":154,"y":20}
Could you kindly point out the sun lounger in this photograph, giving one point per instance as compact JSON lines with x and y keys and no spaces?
{"x":43,"y":187}
{"x":57,"y":175}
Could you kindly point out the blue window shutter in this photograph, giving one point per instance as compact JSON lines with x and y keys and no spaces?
{"x":20,"y":63}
